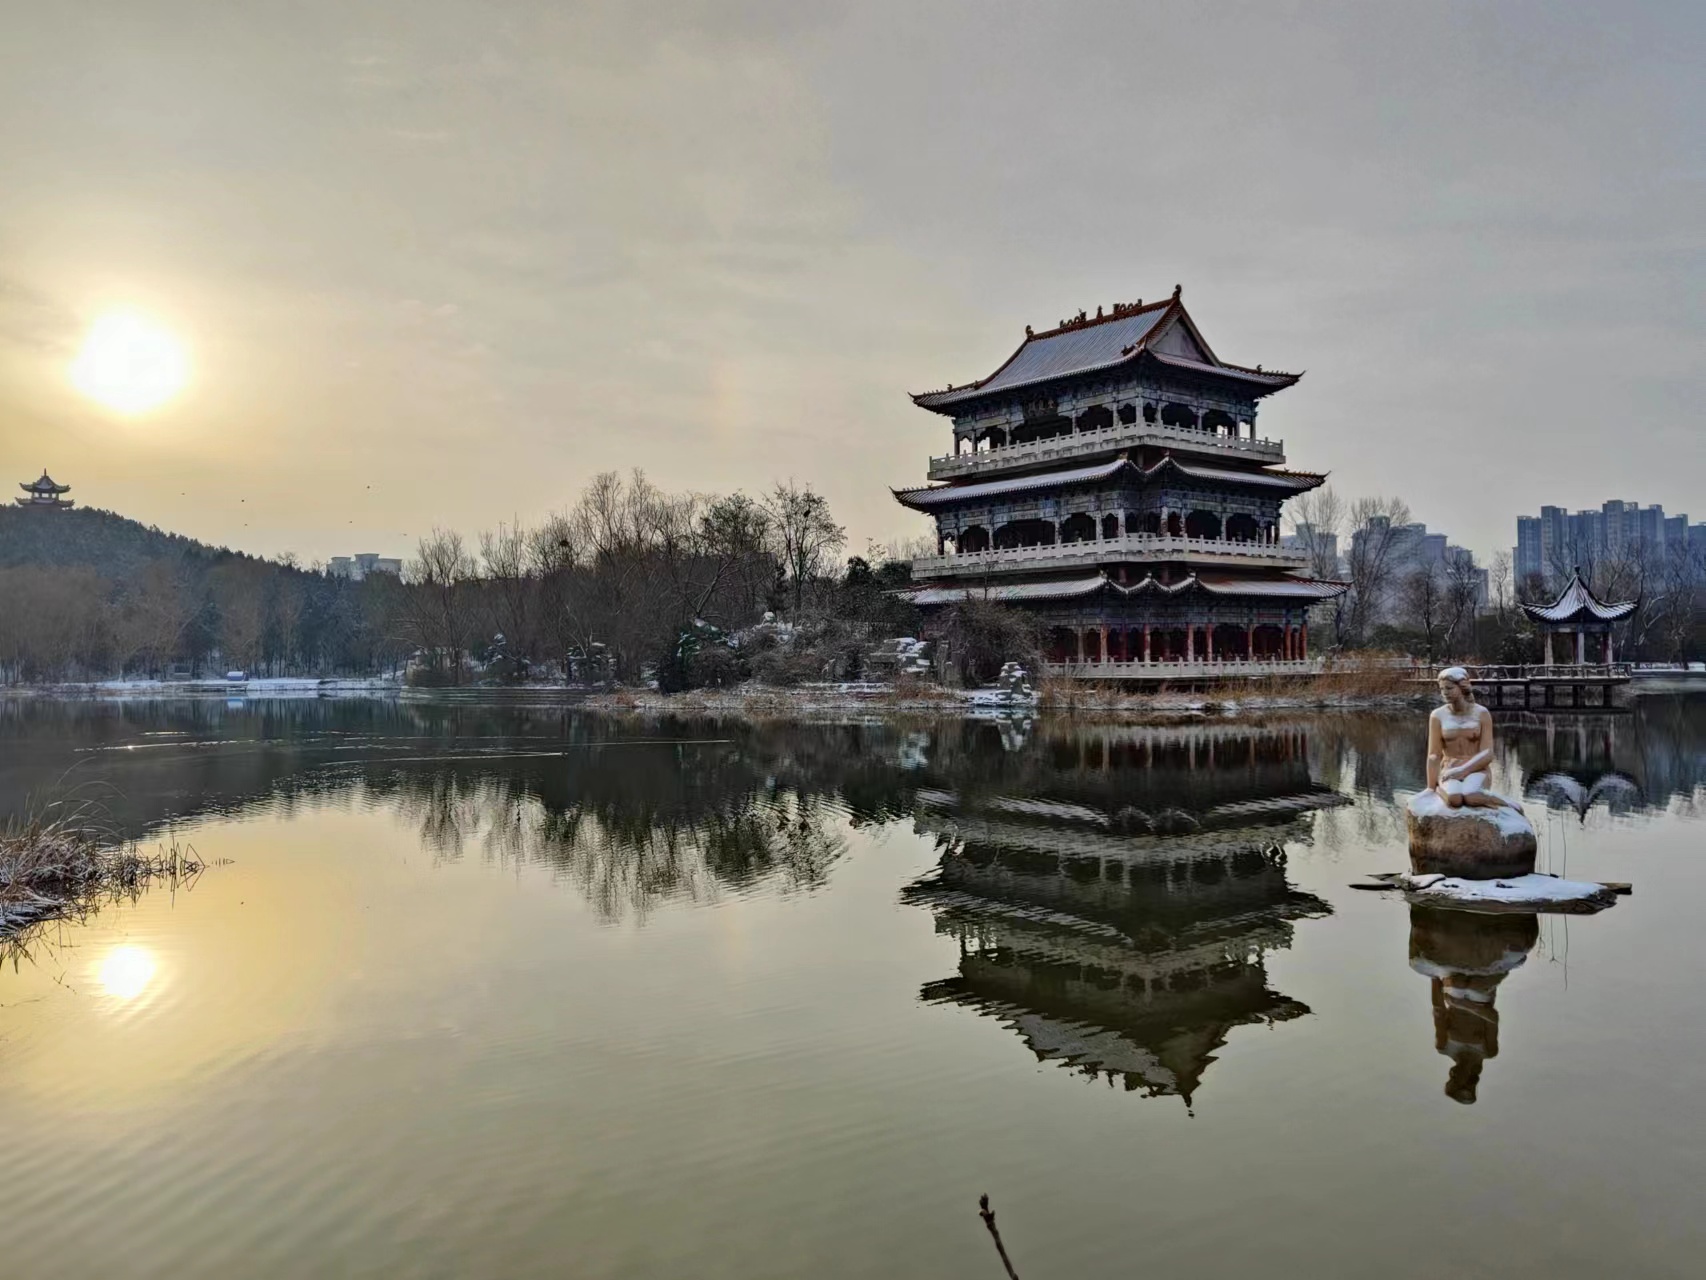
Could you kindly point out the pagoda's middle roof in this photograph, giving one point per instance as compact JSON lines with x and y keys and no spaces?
{"x":1280,"y":588}
{"x":942,"y":495}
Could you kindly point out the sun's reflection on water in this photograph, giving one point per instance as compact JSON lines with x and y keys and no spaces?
{"x":126,"y":971}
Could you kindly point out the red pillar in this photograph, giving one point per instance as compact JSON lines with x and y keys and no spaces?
{"x":1303,"y":640}
{"x":1190,"y":642}
{"x":1104,"y":649}
{"x":1208,"y":640}
{"x":1250,"y":643}
{"x":1146,"y":642}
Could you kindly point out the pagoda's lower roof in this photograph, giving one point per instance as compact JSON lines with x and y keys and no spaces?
{"x":930,"y":497}
{"x":1299,"y":589}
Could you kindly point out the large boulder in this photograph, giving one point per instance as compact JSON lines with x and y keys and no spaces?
{"x":1470,"y":843}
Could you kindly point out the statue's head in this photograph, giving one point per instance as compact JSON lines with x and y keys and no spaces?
{"x":1454,"y":687}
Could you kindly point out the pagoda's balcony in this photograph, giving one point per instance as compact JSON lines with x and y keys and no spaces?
{"x":1085,"y":444}
{"x":1131,"y":546}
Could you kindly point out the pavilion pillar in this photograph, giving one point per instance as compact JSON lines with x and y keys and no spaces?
{"x":1250,"y":642}
{"x":1609,"y":658}
{"x":1303,"y":641}
{"x":1190,"y":642}
{"x":1208,"y":641}
{"x":1106,"y":656}
{"x":1146,"y":642}
{"x":1581,"y":646}
{"x":1548,"y":647}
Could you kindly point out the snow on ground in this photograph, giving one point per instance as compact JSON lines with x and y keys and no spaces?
{"x":1510,"y":891}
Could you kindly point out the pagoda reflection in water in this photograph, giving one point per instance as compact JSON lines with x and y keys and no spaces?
{"x":1118,"y":916}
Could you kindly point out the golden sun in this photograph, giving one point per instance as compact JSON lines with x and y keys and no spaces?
{"x":130,"y":363}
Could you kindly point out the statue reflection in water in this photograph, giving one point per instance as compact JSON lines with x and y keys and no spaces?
{"x":1465,"y":955}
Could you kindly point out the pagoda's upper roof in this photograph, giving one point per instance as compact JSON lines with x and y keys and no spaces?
{"x":929,"y":497}
{"x":45,"y":485}
{"x":1577,"y":603}
{"x":1162,"y":331}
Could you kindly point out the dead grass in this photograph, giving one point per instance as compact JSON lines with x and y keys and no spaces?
{"x":66,"y":866}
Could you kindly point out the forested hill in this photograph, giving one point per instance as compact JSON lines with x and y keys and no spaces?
{"x":86,"y":537}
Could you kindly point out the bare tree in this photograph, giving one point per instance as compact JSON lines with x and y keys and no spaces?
{"x":1423,"y":598}
{"x":806,"y":535}
{"x":1462,"y":590}
{"x":436,"y":612}
{"x":1501,"y":585}
{"x":1317,"y":520}
{"x":1377,"y":534}
{"x":506,"y":558}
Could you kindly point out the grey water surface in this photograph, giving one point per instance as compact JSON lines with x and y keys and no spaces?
{"x":516,"y":990}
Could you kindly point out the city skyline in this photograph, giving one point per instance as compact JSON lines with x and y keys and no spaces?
{"x":1558,"y":541}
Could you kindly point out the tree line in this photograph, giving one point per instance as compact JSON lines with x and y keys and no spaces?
{"x":630,"y":582}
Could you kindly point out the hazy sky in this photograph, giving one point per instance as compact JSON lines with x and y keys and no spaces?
{"x":469,"y":254}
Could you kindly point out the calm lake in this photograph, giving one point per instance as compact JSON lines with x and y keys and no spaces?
{"x":518,"y":991}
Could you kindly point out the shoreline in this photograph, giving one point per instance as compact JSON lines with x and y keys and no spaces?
{"x":808,"y":701}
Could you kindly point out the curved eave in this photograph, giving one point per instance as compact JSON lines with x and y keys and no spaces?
{"x":1310,"y":590}
{"x":1582,"y":614}
{"x":1269,"y":382}
{"x":937,"y":497}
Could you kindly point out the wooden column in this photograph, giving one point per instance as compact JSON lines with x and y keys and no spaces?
{"x":1303,"y":641}
{"x":1250,"y":642}
{"x":1191,"y":645}
{"x":1104,"y":651}
{"x":1548,"y":651}
{"x":1146,"y":642}
{"x":1610,"y":653}
{"x":1581,"y":647}
{"x":1208,"y":641}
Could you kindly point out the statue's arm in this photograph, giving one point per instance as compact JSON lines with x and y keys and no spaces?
{"x":1482,"y":758}
{"x":1436,"y":751}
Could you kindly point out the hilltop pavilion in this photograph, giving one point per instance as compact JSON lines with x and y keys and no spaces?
{"x":1108,"y":477}
{"x":45,"y":495}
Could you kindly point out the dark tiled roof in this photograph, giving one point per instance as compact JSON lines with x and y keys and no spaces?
{"x":1576,"y":603}
{"x":1089,"y":344}
{"x":1072,"y":588}
{"x":943,"y":495}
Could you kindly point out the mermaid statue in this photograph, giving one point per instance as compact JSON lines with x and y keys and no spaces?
{"x":1460,"y":746}
{"x":1457,"y":826}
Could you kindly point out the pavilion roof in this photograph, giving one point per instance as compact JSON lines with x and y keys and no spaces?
{"x":928,"y":496}
{"x":45,"y":485}
{"x":1090,"y":344}
{"x":1577,"y":603}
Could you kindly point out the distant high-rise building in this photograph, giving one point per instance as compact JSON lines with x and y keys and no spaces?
{"x":1529,"y":560}
{"x":1557,"y":542}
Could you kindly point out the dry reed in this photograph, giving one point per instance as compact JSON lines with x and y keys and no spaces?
{"x":66,"y":866}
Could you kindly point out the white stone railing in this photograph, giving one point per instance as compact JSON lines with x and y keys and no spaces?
{"x":1144,"y":546}
{"x":1087,"y":442}
{"x":1179,"y":670}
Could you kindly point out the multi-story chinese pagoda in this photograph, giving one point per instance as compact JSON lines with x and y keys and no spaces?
{"x":1109,"y":478}
{"x":45,"y":495}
